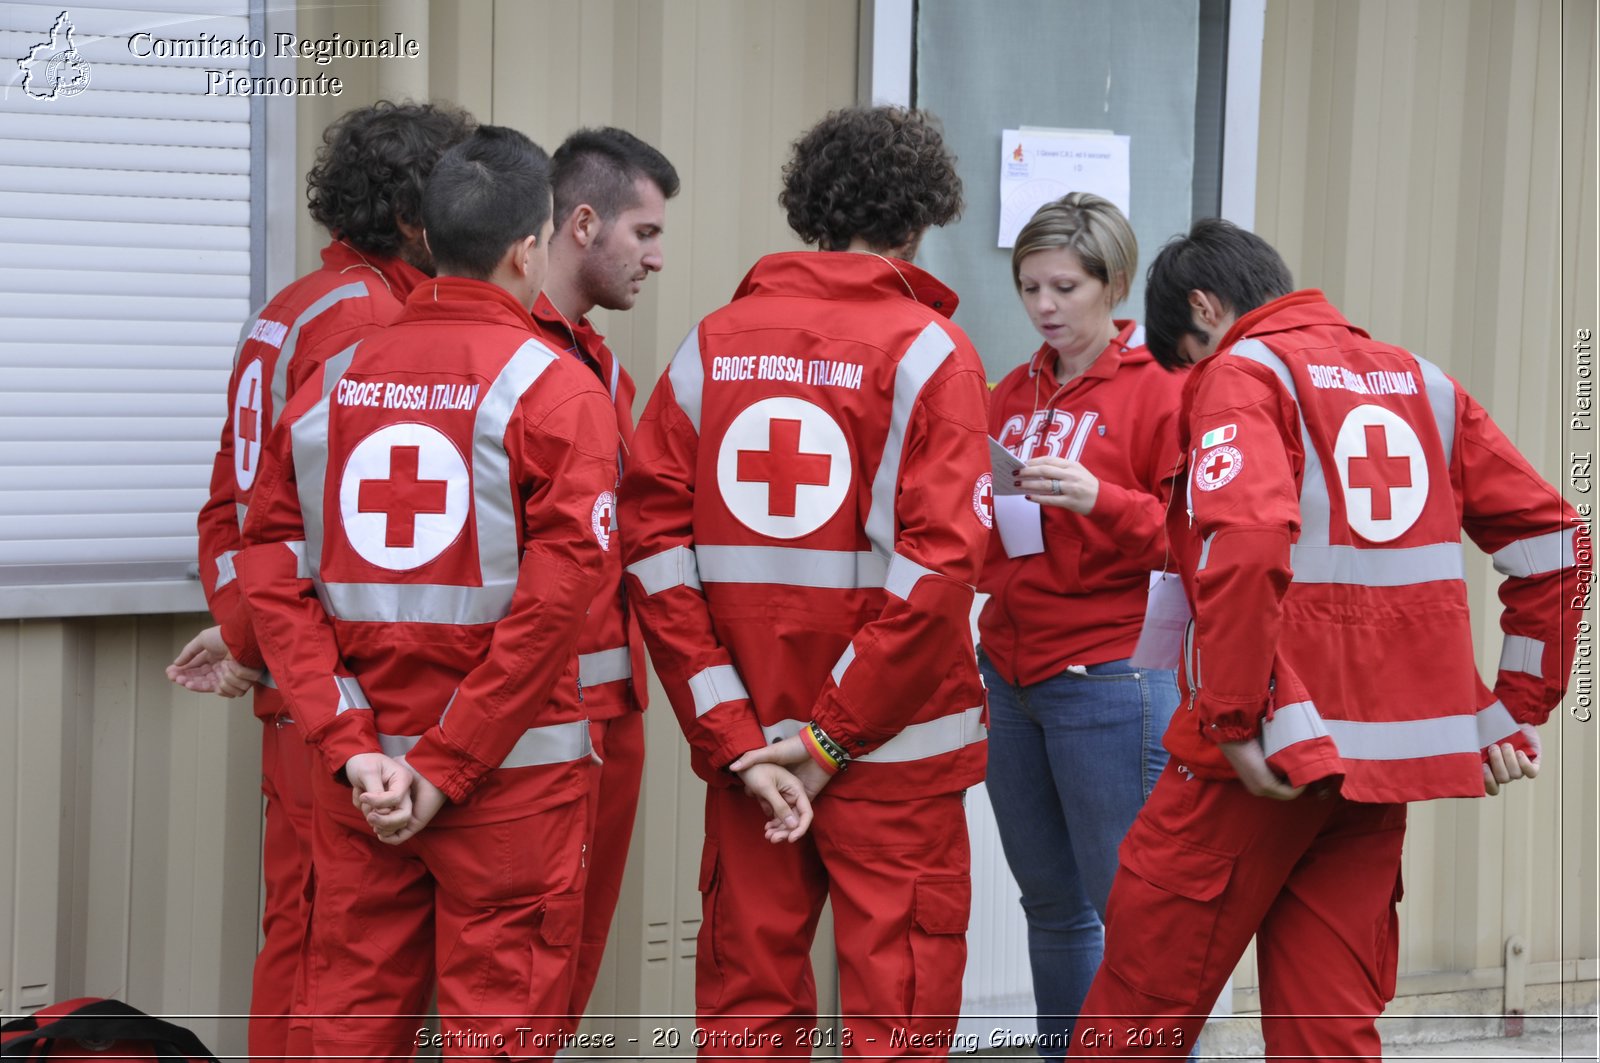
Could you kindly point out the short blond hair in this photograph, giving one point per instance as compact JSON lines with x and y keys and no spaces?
{"x":1091,"y":228}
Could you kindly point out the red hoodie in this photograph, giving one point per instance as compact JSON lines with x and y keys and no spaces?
{"x":1082,"y":600}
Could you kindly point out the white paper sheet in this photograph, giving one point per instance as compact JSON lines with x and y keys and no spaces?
{"x":1004,"y":465}
{"x":1021,"y":525}
{"x":1166,"y":617}
{"x":1039,"y":165}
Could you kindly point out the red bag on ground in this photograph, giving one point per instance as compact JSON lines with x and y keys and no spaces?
{"x":94,"y":1028}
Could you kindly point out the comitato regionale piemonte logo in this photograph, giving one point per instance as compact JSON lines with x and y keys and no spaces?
{"x":54,"y":69}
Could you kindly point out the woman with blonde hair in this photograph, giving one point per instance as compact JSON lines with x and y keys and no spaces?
{"x":1075,"y":729}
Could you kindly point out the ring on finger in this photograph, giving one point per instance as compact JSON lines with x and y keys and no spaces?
{"x":1055,"y":487}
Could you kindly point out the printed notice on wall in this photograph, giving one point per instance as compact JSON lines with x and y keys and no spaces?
{"x":1038,"y":165}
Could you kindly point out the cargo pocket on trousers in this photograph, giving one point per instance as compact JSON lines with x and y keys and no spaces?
{"x":1163,"y":914}
{"x":707,"y":968}
{"x":940,"y":905}
{"x":1388,"y":951}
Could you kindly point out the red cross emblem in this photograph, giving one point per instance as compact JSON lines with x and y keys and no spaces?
{"x":1217,"y":467}
{"x":247,"y":423}
{"x":1379,"y":472}
{"x":983,"y":499}
{"x":783,"y":467}
{"x":602,"y":518}
{"x":402,"y":496}
{"x":1383,"y":469}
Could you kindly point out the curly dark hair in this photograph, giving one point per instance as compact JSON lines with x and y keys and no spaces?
{"x":372,"y":167}
{"x":880,"y":173}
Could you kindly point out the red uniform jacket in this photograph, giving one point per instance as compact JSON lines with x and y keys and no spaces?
{"x":1082,"y":600}
{"x":611,"y":647}
{"x":1329,"y":480}
{"x":426,"y":537}
{"x":312,"y":319}
{"x":806,"y":514}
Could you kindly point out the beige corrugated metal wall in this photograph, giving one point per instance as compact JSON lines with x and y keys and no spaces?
{"x":1430,"y":164}
{"x":1416,"y":162}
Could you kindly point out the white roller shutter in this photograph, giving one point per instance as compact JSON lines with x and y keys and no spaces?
{"x":129,"y":257}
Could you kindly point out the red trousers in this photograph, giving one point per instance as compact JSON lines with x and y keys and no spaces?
{"x":899,"y":877}
{"x":613,"y":800}
{"x":286,"y":764}
{"x":487,"y":914}
{"x":1203,"y":868}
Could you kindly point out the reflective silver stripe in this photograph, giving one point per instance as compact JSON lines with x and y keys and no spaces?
{"x":494,"y":508}
{"x":1536,"y":556}
{"x":351,"y":696}
{"x":280,"y":368}
{"x":414,"y":603}
{"x":673,"y":567}
{"x":777,"y":732}
{"x":688,"y":375}
{"x":933,"y":738}
{"x":604,"y":666}
{"x":1370,"y":567}
{"x":843,"y":664}
{"x":616,"y":375}
{"x":1297,"y":722}
{"x":1205,"y":552}
{"x":714,"y":686}
{"x":1522,"y":654}
{"x":241,"y":511}
{"x":904,"y":575}
{"x":336,"y":367}
{"x":245,"y":329}
{"x":1442,"y":397}
{"x":302,"y":565}
{"x":1495,"y":724}
{"x":790,"y":566}
{"x":225,"y":572}
{"x":921,"y":360}
{"x":558,"y":743}
{"x":1387,"y":740}
{"x":494,"y":514}
{"x":1314,"y":506}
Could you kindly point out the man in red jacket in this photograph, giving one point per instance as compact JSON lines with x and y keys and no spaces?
{"x":611,"y":191}
{"x":378,"y":154}
{"x":804,"y":518}
{"x":1330,"y":676}
{"x":419,"y":558}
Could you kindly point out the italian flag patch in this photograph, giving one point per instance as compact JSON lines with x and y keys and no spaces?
{"x":1218,"y":436}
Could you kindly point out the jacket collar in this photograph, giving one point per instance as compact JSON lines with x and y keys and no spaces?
{"x":1105,"y":364}
{"x":461,"y":298}
{"x":400,"y":277}
{"x":1308,"y":306}
{"x":845,"y":275}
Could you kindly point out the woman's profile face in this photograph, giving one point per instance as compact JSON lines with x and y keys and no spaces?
{"x":1069,"y":308}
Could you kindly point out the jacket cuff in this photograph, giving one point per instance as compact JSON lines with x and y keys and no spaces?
{"x":350,"y":733}
{"x":735,"y":741}
{"x":842,"y":724}
{"x":1230,"y":722}
{"x":1111,"y":504}
{"x":454,"y":771}
{"x":240,"y":637}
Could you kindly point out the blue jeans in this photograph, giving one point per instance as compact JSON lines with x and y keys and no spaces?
{"x":1071,"y":760}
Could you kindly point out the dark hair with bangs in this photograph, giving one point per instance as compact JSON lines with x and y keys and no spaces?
{"x":1233,"y":264}
{"x":372,"y":167}
{"x":880,"y":173}
{"x":600,"y":166}
{"x":486,"y":193}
